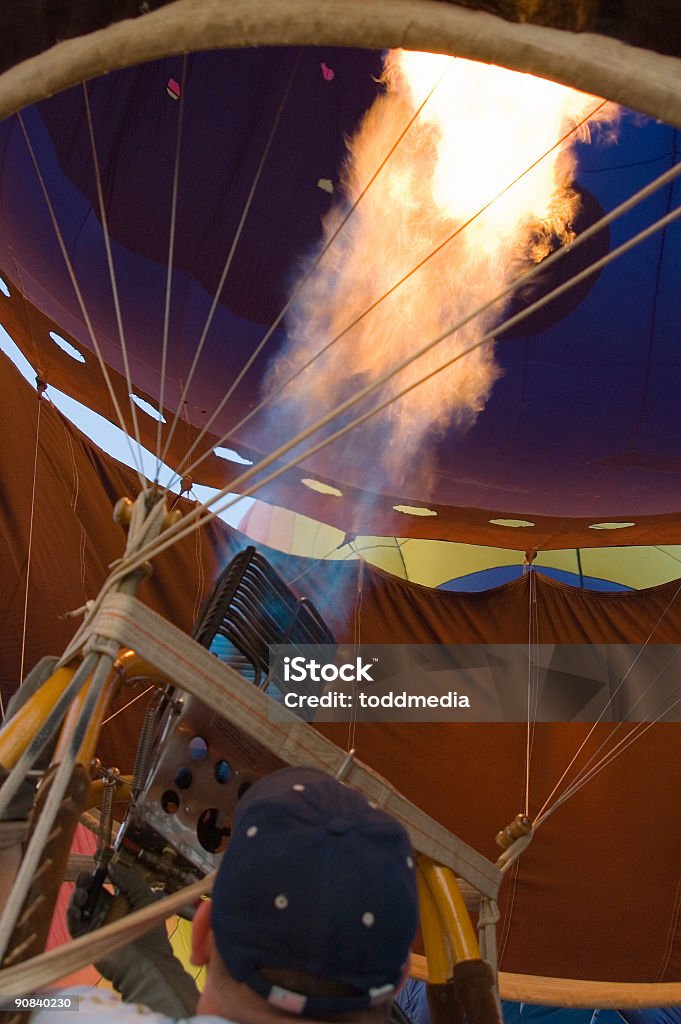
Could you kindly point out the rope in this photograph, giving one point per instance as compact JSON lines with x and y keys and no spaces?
{"x":671,"y":933}
{"x":536,"y":677}
{"x":100,"y":652}
{"x":402,"y":559}
{"x":129,"y":704}
{"x":74,"y":498}
{"x":509,"y":906}
{"x":318,"y":561}
{"x":667,"y":176}
{"x":356,"y":640}
{"x":531,"y":685}
{"x":30,"y":547}
{"x":145,"y":523}
{"x":585,"y":776}
{"x":639,"y":728}
{"x":228,"y":265}
{"x":171,"y":252}
{"x":110,"y":264}
{"x":541,"y":815}
{"x":81,"y":300}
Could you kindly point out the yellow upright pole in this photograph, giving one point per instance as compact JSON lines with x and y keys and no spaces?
{"x":22,"y":726}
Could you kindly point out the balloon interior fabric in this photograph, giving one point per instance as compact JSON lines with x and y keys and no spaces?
{"x":581,"y":427}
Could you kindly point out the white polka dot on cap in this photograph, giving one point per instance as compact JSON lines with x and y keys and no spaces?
{"x":281,"y":901}
{"x":410,"y":862}
{"x":368,"y":919}
{"x":299,"y":787}
{"x":252,"y":831}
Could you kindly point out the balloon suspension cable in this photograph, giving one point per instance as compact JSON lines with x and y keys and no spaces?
{"x":660,"y":711}
{"x":667,"y":553}
{"x":398,"y":284}
{"x":345,"y":765}
{"x":357,"y":552}
{"x":532,"y":682}
{"x":125,"y":707}
{"x":134,"y":453}
{"x":186,"y":487}
{"x":230,"y":256}
{"x":620,"y":747}
{"x":110,"y":263}
{"x":40,"y":388}
{"x":318,"y":561}
{"x":171,"y":258}
{"x":542,"y":814}
{"x":74,"y":499}
{"x":306,"y":276}
{"x":398,"y":548}
{"x":211,"y":508}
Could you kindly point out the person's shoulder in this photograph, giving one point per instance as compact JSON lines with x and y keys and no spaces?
{"x":93,"y":1004}
{"x":101,"y":1006}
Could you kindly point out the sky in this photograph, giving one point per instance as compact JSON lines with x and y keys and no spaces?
{"x":111,"y":438}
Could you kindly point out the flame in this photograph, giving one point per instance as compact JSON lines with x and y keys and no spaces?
{"x":451,"y":176}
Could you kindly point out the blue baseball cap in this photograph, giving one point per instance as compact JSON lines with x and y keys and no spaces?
{"x":315,"y":879}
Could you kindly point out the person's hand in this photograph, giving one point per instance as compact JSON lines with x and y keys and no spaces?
{"x":90,"y":903}
{"x":146,"y":970}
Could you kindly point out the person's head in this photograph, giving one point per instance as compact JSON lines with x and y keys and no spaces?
{"x":314,"y":907}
